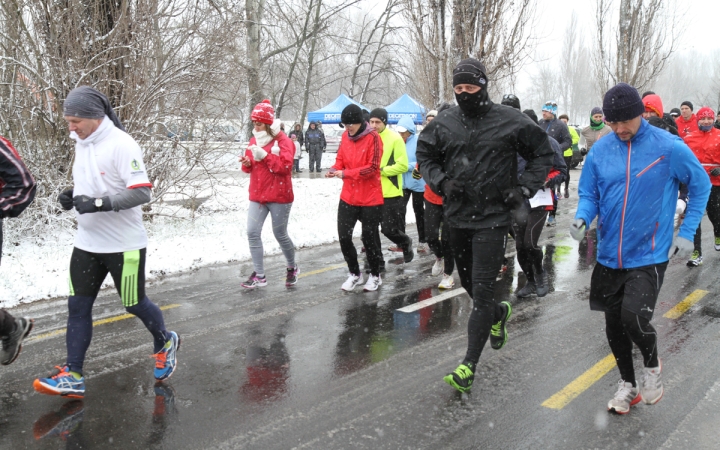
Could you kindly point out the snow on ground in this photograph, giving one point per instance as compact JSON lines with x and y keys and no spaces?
{"x":35,"y":270}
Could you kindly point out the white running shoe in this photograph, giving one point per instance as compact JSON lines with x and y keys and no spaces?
{"x":422,"y":248}
{"x":447,"y":282}
{"x":652,"y":385}
{"x":625,"y":397}
{"x":438,"y":267}
{"x":373,"y":283}
{"x":352,"y":282}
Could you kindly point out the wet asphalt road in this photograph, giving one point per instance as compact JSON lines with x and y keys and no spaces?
{"x":313,"y":367}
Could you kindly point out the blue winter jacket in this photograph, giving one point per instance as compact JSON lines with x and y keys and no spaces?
{"x":410,"y":146}
{"x":633,"y":188}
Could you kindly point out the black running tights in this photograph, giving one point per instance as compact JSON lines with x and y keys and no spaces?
{"x":529,"y":255}
{"x":622,"y":329}
{"x":713,"y":212}
{"x":370,"y":216}
{"x":479,"y":255}
{"x":438,"y":235}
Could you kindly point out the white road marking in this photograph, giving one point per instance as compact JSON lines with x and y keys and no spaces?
{"x":431,"y":301}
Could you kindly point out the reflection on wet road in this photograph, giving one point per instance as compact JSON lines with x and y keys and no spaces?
{"x":314,"y":367}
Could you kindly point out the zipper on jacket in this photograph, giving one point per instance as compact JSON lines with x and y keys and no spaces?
{"x":653,"y":236}
{"x":627,"y":192}
{"x":650,"y":166}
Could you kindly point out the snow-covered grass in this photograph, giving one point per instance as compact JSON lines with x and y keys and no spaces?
{"x":36,"y":269}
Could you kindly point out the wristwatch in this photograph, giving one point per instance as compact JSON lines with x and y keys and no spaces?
{"x":98,"y":203}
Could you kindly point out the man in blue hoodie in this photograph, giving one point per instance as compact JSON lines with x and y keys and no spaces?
{"x":413,"y":187}
{"x":630,"y":182}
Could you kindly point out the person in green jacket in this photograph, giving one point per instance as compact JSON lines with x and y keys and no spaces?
{"x":568,"y":153}
{"x":393,"y":165}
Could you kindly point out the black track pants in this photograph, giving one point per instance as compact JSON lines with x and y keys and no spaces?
{"x":370,"y":217}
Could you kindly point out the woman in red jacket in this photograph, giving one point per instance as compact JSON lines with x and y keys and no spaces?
{"x":269,"y":161}
{"x":705,"y":144}
{"x":358,"y":165}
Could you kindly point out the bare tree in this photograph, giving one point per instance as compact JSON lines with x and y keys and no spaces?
{"x":636,"y":50}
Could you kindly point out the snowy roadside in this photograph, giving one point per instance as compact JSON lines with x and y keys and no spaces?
{"x":36,"y":270}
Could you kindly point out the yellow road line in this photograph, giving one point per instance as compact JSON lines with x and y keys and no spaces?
{"x":62,"y":331}
{"x":580,"y":384}
{"x":325,"y":269}
{"x":680,"y":309}
{"x":599,"y":370}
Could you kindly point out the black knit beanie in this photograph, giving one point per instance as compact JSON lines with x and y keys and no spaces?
{"x":622,"y":102}
{"x":511,"y":100}
{"x":379,"y":113}
{"x":351,"y":114}
{"x":531,"y":114}
{"x":470,"y":71}
{"x":688,"y":104}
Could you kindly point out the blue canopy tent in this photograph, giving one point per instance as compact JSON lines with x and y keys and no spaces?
{"x":405,"y":106}
{"x":331,"y":113}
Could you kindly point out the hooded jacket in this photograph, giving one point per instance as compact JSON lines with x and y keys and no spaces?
{"x":706,"y":146}
{"x":359,"y":159}
{"x":394,"y":163}
{"x":686,"y":127}
{"x":314,"y":139}
{"x":632,"y":187}
{"x":557,"y":129}
{"x":297,"y":132}
{"x":271,"y":178}
{"x":574,"y":138}
{"x":481,"y":152}
{"x":411,"y":147}
{"x":555,"y":177}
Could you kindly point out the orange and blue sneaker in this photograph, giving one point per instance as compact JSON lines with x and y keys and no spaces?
{"x":62,"y":382}
{"x":62,"y":423}
{"x":166,"y":359}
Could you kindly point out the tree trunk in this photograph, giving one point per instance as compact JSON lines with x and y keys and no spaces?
{"x":253,"y":20}
{"x":311,"y":56}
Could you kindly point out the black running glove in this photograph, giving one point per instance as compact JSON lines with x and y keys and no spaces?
{"x":514,"y":197}
{"x":416,"y":174}
{"x":453,"y":189}
{"x":66,"y":199}
{"x":85,"y":204}
{"x":715,"y":172}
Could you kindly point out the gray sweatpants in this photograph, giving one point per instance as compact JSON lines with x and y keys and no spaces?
{"x":279,"y":214}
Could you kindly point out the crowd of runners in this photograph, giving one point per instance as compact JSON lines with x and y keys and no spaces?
{"x":478,"y":173}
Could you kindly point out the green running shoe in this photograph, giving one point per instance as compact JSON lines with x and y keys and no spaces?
{"x":498,"y":332}
{"x":461,"y":379}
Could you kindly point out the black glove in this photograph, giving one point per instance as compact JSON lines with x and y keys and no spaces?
{"x":514,"y":197}
{"x":416,"y":174}
{"x":715,"y":172}
{"x":453,"y":189}
{"x":85,"y":204}
{"x":583,"y":151}
{"x":66,"y":199}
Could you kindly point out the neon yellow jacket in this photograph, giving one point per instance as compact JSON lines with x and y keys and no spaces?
{"x":393,"y":164}
{"x":575,"y":139}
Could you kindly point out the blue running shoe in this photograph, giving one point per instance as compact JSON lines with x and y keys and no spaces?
{"x":61,"y":382}
{"x":166,"y":359}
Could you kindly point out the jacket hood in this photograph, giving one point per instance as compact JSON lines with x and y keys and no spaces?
{"x":407,"y":123}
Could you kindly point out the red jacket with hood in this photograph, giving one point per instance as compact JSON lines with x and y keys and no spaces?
{"x":706,"y":146}
{"x":271,"y":178}
{"x":359,"y":159}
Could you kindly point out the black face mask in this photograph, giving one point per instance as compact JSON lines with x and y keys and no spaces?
{"x":473,"y":104}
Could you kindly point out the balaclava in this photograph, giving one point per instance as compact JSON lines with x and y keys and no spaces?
{"x":472,"y":71}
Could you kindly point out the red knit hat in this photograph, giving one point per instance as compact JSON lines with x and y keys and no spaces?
{"x":705,"y":113}
{"x":263,"y":112}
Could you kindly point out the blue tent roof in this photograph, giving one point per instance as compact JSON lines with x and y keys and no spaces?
{"x":331,"y":113}
{"x":405,"y":106}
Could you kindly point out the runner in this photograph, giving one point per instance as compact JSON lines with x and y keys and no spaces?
{"x":558,"y":130}
{"x":110,"y":184}
{"x":597,"y":129}
{"x":269,"y":161}
{"x":630,"y":181}
{"x":412,"y":187}
{"x":468,"y":154}
{"x":527,"y":232}
{"x":705,"y":144}
{"x":17,"y":191}
{"x":393,"y":165}
{"x":357,"y":164}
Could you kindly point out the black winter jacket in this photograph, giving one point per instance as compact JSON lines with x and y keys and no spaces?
{"x":17,"y":185}
{"x":314,"y":139}
{"x":558,"y":130}
{"x":481,"y":151}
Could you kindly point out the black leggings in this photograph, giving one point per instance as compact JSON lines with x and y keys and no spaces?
{"x":713,"y":212}
{"x":529,"y":255}
{"x":393,"y":223}
{"x":438,"y":235}
{"x":418,"y":208}
{"x":479,"y":255}
{"x":568,"y":162}
{"x":7,"y":323}
{"x":624,"y":327}
{"x":370,"y":216}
